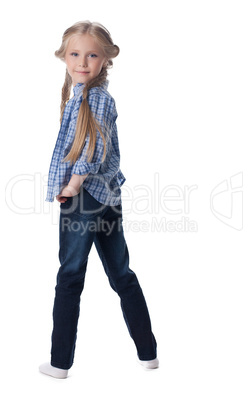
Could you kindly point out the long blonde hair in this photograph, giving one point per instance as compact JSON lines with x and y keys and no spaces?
{"x":86,"y":123}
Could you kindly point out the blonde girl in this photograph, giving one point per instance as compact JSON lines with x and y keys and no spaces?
{"x":86,"y":179}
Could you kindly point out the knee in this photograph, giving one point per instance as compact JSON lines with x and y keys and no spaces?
{"x":126,"y":285}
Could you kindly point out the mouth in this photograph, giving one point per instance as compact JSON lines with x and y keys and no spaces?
{"x":82,"y":72}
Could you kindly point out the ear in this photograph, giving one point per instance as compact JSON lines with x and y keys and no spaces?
{"x":105,"y":64}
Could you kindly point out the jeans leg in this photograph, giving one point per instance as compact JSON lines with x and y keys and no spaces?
{"x":75,"y":243}
{"x":112,"y":249}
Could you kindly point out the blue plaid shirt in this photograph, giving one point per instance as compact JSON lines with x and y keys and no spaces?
{"x":104,"y":179}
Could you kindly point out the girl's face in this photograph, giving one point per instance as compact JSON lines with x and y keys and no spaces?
{"x":84,"y":58}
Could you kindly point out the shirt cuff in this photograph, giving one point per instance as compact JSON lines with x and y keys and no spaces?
{"x":83,"y":168}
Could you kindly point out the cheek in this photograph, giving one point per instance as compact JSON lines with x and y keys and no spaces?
{"x":69,"y":64}
{"x":99,"y":67}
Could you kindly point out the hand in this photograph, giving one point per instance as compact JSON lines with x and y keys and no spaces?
{"x":68,"y":191}
{"x":72,"y":189}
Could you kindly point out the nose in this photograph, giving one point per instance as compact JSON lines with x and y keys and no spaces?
{"x":83,"y":62}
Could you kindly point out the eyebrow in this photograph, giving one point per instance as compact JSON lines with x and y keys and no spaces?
{"x":89,"y":51}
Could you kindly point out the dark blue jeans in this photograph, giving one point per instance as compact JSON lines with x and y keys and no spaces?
{"x":84,"y":221}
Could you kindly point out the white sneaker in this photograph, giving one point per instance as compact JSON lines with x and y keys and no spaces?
{"x":55,"y":372}
{"x":150,"y":364}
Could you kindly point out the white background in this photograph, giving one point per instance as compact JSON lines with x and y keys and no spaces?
{"x":180,"y":85}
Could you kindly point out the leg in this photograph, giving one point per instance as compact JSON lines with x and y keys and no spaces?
{"x":76,"y":240}
{"x":112,"y":249}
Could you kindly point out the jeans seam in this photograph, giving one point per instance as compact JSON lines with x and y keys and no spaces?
{"x":105,"y":261}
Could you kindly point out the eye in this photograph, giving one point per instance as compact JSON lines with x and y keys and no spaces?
{"x":92,"y":55}
{"x":74,"y":54}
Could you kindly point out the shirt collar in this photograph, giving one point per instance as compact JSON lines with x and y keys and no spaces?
{"x":79,"y":87}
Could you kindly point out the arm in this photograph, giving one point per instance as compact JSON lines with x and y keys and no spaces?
{"x":73,"y":187}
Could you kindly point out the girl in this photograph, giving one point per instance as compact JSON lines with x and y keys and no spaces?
{"x":85,"y":178}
